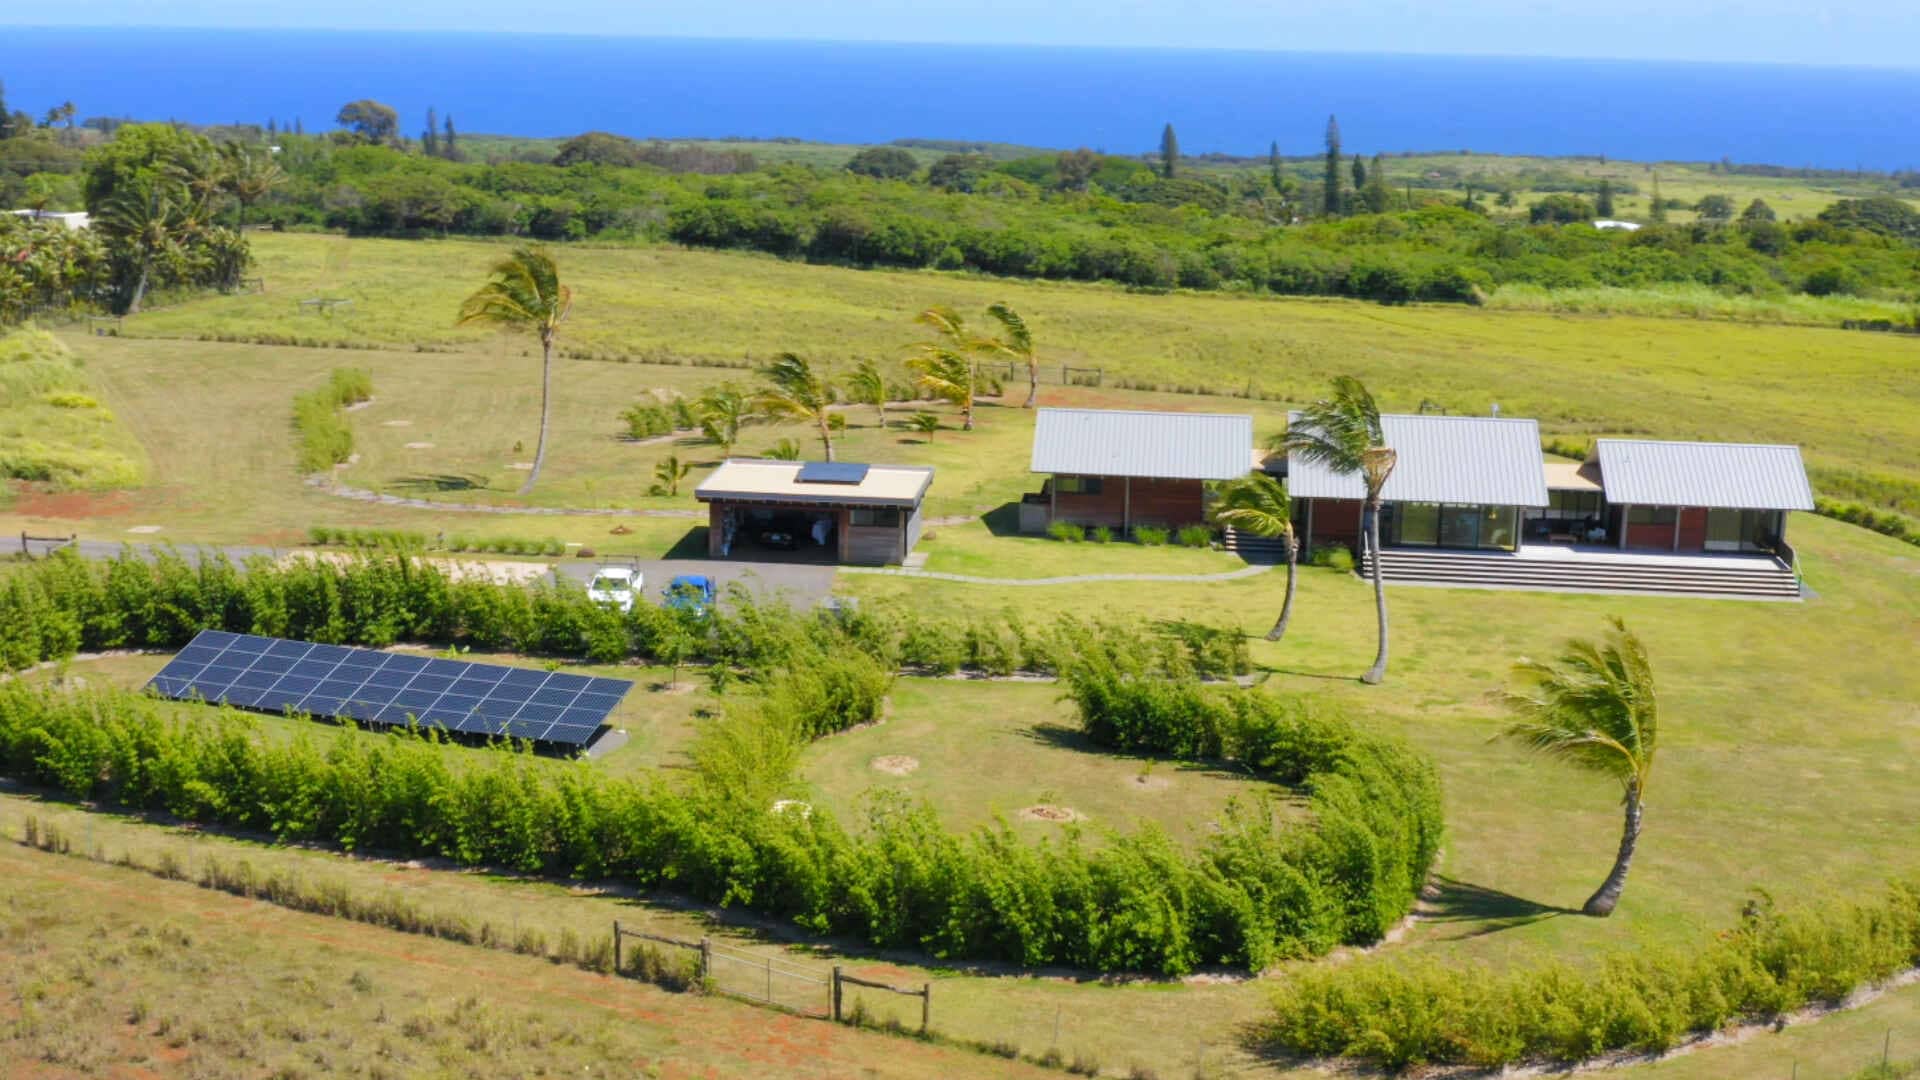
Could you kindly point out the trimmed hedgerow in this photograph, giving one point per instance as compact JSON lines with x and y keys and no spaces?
{"x":1397,"y":1014}
{"x":325,"y":439}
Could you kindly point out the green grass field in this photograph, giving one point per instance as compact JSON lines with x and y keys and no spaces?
{"x":1791,"y":729}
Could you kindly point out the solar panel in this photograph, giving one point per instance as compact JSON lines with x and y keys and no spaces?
{"x":831,"y":472}
{"x":373,"y":687}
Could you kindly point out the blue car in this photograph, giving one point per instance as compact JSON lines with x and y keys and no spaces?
{"x":689,"y":593}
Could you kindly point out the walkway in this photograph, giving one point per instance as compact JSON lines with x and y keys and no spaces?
{"x":1231,"y":575}
{"x":344,"y":491}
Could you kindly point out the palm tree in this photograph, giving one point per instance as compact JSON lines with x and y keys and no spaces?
{"x":249,"y":178}
{"x":723,"y":411}
{"x":1017,"y":345}
{"x":1596,"y":708}
{"x":148,"y":218}
{"x":866,"y":386}
{"x":784,"y":450}
{"x":1343,"y":433}
{"x":1257,"y":504}
{"x":945,"y":367}
{"x":925,"y":423}
{"x":526,"y":294}
{"x":668,"y":474}
{"x":794,"y":390}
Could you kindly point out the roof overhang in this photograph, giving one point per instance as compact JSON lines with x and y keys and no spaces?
{"x":752,"y":480}
{"x":1152,"y":445}
{"x":1470,"y":460}
{"x":1718,"y":476}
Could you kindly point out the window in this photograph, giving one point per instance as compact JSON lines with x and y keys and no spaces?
{"x":879,"y":519}
{"x":1573,"y":504}
{"x":1650,"y":515}
{"x":1077,"y":485}
{"x":1419,"y":523}
{"x":1497,"y":528}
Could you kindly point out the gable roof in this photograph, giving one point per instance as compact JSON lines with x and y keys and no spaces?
{"x":756,"y":480}
{"x":1161,"y":445}
{"x":1730,"y":476}
{"x":1447,"y":459}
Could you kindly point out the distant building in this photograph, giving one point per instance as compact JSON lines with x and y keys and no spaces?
{"x":1624,"y":226}
{"x":1121,"y":469}
{"x":76,"y":219}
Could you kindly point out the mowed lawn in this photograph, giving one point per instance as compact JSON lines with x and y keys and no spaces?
{"x":1853,"y":399}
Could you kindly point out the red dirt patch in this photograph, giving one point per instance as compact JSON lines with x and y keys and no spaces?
{"x":1047,"y":812}
{"x":70,"y":505}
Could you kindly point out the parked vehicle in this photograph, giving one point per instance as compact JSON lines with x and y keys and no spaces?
{"x":615,"y":585}
{"x":690,"y":593}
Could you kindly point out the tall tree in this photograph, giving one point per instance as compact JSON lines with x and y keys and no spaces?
{"x":1656,"y":208}
{"x":866,"y":386}
{"x":430,"y":138}
{"x":1274,"y":173}
{"x":794,"y":389}
{"x":1257,"y":505}
{"x":1331,"y":182}
{"x":298,"y":127}
{"x":370,"y":120}
{"x":144,"y":219}
{"x":1376,"y":195}
{"x":944,"y":367}
{"x":526,"y":293}
{"x":1016,"y":343}
{"x":1169,"y":152}
{"x":1596,"y":708}
{"x":1359,"y":173}
{"x":250,"y":177}
{"x":1603,"y":199}
{"x":1343,"y":432}
{"x":449,"y":147}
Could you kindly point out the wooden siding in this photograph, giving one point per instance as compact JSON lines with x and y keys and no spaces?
{"x":1170,"y":503}
{"x":1335,"y":521}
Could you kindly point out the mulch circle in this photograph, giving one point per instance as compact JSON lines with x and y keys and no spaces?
{"x":895,"y":764}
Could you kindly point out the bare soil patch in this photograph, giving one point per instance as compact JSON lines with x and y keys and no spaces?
{"x":1148,"y":782}
{"x":419,"y":446}
{"x":396,"y":423}
{"x":895,"y":764}
{"x":1050,"y":812}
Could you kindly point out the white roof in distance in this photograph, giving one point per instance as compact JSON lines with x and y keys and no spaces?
{"x":1624,"y":226}
{"x":1442,"y":459}
{"x":1726,"y":476}
{"x":1160,"y":445}
{"x":758,"y":480}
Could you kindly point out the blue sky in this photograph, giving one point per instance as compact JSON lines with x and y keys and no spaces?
{"x":1871,"y":32}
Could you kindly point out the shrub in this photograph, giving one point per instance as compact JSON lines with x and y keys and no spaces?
{"x":1336,"y":557}
{"x":1101,"y":535}
{"x":1150,"y":535}
{"x":1194,"y":536}
{"x":350,"y":386}
{"x":325,"y":440}
{"x":1067,"y":531}
{"x":646,"y":419}
{"x":1396,"y":1014}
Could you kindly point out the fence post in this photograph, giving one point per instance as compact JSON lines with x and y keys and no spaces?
{"x":616,"y":946}
{"x":926,"y":1006}
{"x":706,"y":958}
{"x":769,"y":979}
{"x":834,"y":995}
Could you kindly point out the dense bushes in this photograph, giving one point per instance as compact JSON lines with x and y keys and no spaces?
{"x":324,"y":437}
{"x":1402,"y":1013}
{"x":1376,"y":819}
{"x":1884,"y":522}
{"x":53,"y":429}
{"x":406,"y":540}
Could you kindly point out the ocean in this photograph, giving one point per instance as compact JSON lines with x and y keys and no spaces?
{"x":1114,"y":100}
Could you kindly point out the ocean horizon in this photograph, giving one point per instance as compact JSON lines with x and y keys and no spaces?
{"x":1109,"y":99}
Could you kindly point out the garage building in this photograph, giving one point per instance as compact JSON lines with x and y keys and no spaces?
{"x":828,"y":511}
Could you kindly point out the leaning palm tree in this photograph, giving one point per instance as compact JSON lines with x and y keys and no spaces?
{"x":866,"y":386}
{"x":249,"y":178}
{"x":944,"y":367}
{"x":1257,"y":504}
{"x":1016,"y":344}
{"x":147,"y":220}
{"x":1596,"y":708}
{"x":795,"y":390}
{"x":526,"y":294}
{"x":1343,"y":433}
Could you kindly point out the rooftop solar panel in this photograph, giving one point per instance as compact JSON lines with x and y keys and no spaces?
{"x":369,"y":686}
{"x":831,"y":472}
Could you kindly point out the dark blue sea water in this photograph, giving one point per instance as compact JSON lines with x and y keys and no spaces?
{"x":1109,"y":99}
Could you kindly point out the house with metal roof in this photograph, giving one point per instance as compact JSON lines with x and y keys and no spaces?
{"x":1470,"y":501}
{"x":1458,"y":482}
{"x":1124,"y":468}
{"x":820,"y":511}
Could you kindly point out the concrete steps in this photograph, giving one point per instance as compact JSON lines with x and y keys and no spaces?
{"x":1254,"y":548}
{"x":1747,"y":578}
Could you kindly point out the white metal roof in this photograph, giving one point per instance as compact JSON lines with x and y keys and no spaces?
{"x":1732,"y":476}
{"x":755,"y":480}
{"x":1447,"y":459}
{"x":1161,"y":445}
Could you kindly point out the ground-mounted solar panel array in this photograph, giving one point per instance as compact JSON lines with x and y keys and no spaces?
{"x":391,"y":689}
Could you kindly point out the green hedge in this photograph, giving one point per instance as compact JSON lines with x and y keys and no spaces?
{"x":1376,"y":814}
{"x":1398,"y":1014}
{"x":1884,"y":522}
{"x":325,"y":439}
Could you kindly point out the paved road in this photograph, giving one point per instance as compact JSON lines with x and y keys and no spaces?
{"x":1072,"y":579}
{"x":802,"y":585}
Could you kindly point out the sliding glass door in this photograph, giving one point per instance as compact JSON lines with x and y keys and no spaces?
{"x":1743,"y":530}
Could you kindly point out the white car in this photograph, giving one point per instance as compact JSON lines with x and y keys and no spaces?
{"x":615,"y":586}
